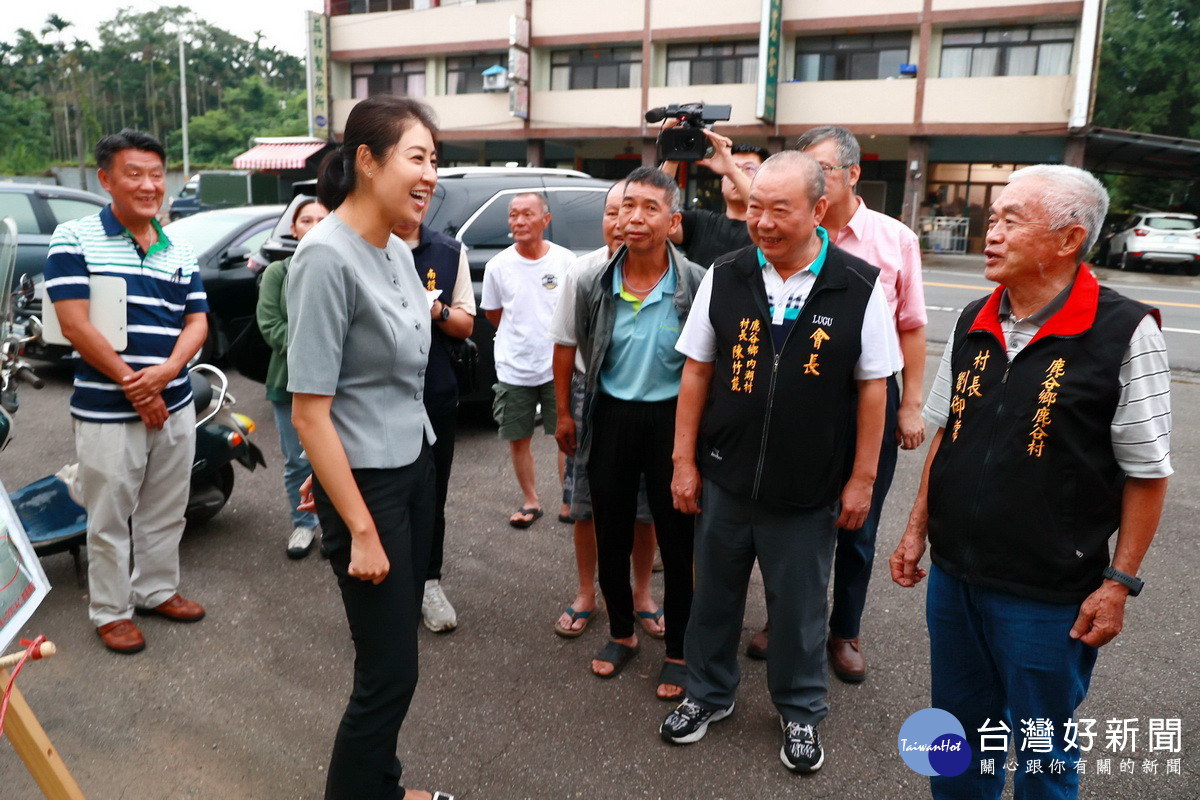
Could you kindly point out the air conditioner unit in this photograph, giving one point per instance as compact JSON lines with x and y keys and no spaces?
{"x":495,"y":79}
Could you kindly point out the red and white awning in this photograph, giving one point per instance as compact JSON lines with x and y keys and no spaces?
{"x":290,"y":155}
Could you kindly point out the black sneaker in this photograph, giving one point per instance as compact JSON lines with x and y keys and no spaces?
{"x":801,"y":751}
{"x":689,"y":722}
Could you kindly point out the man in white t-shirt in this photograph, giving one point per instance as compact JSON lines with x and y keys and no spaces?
{"x":520,"y":291}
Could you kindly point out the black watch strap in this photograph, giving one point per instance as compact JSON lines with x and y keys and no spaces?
{"x":1130,"y":582}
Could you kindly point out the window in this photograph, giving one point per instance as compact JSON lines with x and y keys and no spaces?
{"x":490,"y":228}
{"x":19,"y":206}
{"x":402,"y":78}
{"x":575,"y":216}
{"x":1018,"y":50}
{"x":862,"y":57}
{"x":464,"y":74}
{"x":596,"y":68}
{"x":66,"y":209}
{"x":702,"y":64}
{"x":337,"y":7}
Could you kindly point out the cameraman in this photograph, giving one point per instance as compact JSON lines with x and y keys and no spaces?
{"x":707,"y":235}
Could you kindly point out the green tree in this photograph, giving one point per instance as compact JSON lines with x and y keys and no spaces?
{"x":1149,"y":81}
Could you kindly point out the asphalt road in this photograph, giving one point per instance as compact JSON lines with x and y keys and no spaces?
{"x":953,"y":281}
{"x":244,"y":703}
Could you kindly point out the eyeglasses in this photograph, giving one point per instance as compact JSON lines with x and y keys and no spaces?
{"x":828,"y":168}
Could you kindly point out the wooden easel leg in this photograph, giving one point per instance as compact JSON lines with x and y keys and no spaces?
{"x":33,"y":746}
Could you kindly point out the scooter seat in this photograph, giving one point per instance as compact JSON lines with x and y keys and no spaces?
{"x":52,"y":520}
{"x":202,"y":392}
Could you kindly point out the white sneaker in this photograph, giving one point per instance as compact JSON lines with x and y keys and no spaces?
{"x":436,"y":611}
{"x":300,"y":542}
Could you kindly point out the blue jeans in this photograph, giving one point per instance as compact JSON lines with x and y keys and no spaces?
{"x":999,"y":657}
{"x":855,"y":552}
{"x":295,"y":465}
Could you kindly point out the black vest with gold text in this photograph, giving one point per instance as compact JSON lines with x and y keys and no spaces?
{"x":1024,"y":491}
{"x":776,"y":425}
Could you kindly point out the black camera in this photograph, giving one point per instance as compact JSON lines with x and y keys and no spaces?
{"x":686,"y":141}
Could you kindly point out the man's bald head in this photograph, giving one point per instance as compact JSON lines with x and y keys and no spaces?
{"x":800,"y":166}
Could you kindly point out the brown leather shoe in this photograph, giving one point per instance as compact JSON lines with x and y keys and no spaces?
{"x":846,"y":660}
{"x":175,"y":609}
{"x":122,"y":636}
{"x":757,"y":649}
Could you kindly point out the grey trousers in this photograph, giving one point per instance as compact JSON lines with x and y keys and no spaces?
{"x":135,"y":485}
{"x":795,"y":553}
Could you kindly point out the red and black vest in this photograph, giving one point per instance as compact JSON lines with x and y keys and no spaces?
{"x":437,"y":258}
{"x":1024,"y":491}
{"x":776,"y":425}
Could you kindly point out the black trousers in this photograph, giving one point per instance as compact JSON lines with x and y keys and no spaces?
{"x":631,"y":439}
{"x":445,"y":425}
{"x":383,"y":622}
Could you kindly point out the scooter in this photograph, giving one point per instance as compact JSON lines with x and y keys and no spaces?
{"x":51,"y":508}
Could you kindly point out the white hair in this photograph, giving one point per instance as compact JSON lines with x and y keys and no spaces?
{"x":1072,"y":197}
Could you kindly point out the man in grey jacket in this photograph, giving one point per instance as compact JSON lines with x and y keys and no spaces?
{"x":627,"y":320}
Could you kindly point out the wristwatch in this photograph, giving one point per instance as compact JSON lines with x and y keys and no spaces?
{"x":445,"y":312}
{"x":1133,"y":584}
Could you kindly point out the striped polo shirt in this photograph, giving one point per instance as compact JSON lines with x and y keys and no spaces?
{"x":162,"y":286}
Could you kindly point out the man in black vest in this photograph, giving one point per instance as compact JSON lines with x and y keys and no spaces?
{"x":1053,"y":410}
{"x":800,"y":335}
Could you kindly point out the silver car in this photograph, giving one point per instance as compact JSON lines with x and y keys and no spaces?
{"x":1161,"y":240}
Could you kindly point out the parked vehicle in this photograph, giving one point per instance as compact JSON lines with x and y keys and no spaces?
{"x":1155,"y":239}
{"x":55,"y":522}
{"x":37,"y":209}
{"x":223,"y":188}
{"x":223,"y":241}
{"x":471,"y":204}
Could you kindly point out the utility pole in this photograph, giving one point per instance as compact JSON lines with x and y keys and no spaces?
{"x":183,"y":107}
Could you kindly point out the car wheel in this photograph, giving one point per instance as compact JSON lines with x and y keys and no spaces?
{"x":1192,"y":269}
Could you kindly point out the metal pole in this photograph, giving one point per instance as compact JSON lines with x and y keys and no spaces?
{"x":183,"y":108}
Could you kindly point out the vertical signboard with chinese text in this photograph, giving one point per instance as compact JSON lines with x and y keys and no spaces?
{"x":518,"y":67}
{"x":769,"y":52}
{"x":318,"y":74}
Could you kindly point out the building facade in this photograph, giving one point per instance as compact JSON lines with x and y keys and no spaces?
{"x":946,"y":96}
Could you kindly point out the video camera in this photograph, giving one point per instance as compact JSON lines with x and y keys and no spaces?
{"x":686,"y":141}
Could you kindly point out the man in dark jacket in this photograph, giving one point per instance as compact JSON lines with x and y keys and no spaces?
{"x":1052,"y":403}
{"x":800,"y":336}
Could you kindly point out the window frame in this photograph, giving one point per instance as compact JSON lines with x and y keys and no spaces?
{"x":579,"y":63}
{"x":1001,"y":42}
{"x":835,"y":60}
{"x":473,"y":85}
{"x":707,"y":55}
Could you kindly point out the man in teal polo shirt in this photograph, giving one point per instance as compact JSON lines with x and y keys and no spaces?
{"x":628,"y":314}
{"x":134,"y":421}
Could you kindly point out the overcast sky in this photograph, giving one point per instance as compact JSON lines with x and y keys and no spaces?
{"x":281,"y":21}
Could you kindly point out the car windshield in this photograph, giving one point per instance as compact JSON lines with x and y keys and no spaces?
{"x":207,"y":230}
{"x":1171,"y":223}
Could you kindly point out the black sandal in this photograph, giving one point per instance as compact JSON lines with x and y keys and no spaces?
{"x":676,"y":675}
{"x":616,"y":654}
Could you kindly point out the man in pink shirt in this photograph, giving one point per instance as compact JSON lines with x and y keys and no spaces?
{"x":889,"y":245}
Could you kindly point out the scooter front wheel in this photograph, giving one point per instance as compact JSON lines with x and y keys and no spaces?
{"x":209,"y":497}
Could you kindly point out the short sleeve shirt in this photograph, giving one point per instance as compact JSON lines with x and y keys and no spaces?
{"x":162,"y":287}
{"x":562,"y":324}
{"x":889,"y":245}
{"x":708,"y":235}
{"x":527,"y":291}
{"x":359,"y":331}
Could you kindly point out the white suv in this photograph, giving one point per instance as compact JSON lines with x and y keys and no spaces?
{"x":1157,"y":239}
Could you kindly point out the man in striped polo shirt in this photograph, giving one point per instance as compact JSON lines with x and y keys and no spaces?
{"x":134,"y":421}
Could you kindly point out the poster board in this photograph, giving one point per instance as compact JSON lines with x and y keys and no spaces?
{"x":106,"y":310}
{"x":23,"y":584}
